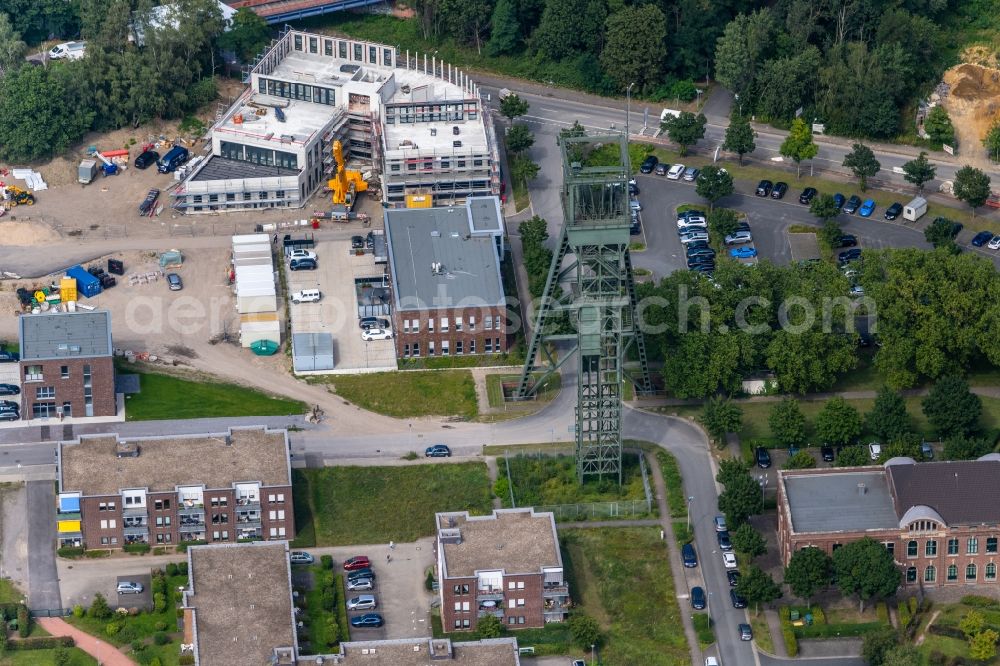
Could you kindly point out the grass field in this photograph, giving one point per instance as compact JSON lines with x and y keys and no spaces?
{"x":409,"y":394}
{"x":948,"y":617}
{"x":77,"y":657}
{"x":168,"y":397}
{"x":494,"y":391}
{"x":622,"y":578}
{"x":366,"y":505}
{"x":9,"y":594}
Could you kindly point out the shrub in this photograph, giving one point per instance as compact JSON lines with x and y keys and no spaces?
{"x":585,"y":629}
{"x":791,"y":643}
{"x":79,"y":611}
{"x":882,"y":612}
{"x":61,"y":657}
{"x":429,"y":580}
{"x":3,"y":640}
{"x":23,"y":621}
{"x":99,"y":609}
{"x":159,"y":602}
{"x":819,"y":617}
{"x":186,"y":660}
{"x":326,"y":561}
{"x":936,"y":658}
{"x":979,"y":601}
{"x":491,"y":627}
{"x":114,"y":627}
{"x":137,"y":646}
{"x":182,"y":569}
{"x":159,"y":585}
{"x":329,"y":599}
{"x":45,"y":642}
{"x":905,"y":618}
{"x":161,"y":626}
{"x":171,"y":569}
{"x":155,"y":661}
{"x":137,"y":548}
{"x":914,"y":606}
{"x":70,"y":552}
{"x":160,"y":638}
{"x":785,"y":614}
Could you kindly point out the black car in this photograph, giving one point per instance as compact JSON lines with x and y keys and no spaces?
{"x":763,"y":457}
{"x":851,"y":207}
{"x":688,"y":555}
{"x":697,"y":262}
{"x":9,"y":389}
{"x":304,"y":264}
{"x":357,"y":242}
{"x":437,"y":451}
{"x":697,"y":598}
{"x":847,"y":240}
{"x":838,"y":199}
{"x":372,"y":322}
{"x":707,"y":267}
{"x":357,"y":574}
{"x":146,"y":159}
{"x":9,"y":416}
{"x":9,"y":356}
{"x":779,"y":190}
{"x":807,"y":195}
{"x":700,"y":252}
{"x":649,"y":164}
{"x":827,"y":452}
{"x":742,"y":225}
{"x":738,"y":601}
{"x":733,"y":576}
{"x":764,"y":188}
{"x":724,"y":542}
{"x":635,"y":227}
{"x":697,"y":245}
{"x":849,"y":255}
{"x":633,"y":189}
{"x":894,"y":211}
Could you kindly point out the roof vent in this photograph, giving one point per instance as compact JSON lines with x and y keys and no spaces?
{"x":435,"y":234}
{"x":456,"y":144}
{"x":451,"y":535}
{"x":125,"y":449}
{"x":862,"y":489}
{"x":455,"y":130}
{"x":434,"y":131}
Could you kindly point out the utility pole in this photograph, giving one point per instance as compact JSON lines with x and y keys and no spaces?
{"x":628,"y":107}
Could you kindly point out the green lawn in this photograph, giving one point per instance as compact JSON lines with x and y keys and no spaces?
{"x":494,"y":390}
{"x":409,"y":394}
{"x":761,"y":632}
{"x":672,"y":479}
{"x":369,"y":505}
{"x":621,"y":577}
{"x":9,"y":594}
{"x":168,"y":397}
{"x":77,"y":657}
{"x":552,"y":639}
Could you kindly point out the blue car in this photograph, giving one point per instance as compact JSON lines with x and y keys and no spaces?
{"x":867,"y":208}
{"x":982,"y":238}
{"x":688,"y":556}
{"x":367,"y":620}
{"x":839,"y":199}
{"x":743,"y":252}
{"x":437,"y":451}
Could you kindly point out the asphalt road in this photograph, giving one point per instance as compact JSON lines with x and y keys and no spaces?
{"x":43,"y":581}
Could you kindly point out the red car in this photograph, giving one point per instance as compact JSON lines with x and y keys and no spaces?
{"x":357,"y":562}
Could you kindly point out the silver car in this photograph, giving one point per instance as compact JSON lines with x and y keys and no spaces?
{"x":360,"y":584}
{"x":362,"y":602}
{"x":128,"y":587}
{"x":738,"y":238}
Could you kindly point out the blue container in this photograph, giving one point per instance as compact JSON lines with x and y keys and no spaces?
{"x":86,"y":284}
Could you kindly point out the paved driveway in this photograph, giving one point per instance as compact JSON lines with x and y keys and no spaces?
{"x":43,"y":583}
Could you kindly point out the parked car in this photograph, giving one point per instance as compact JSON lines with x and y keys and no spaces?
{"x":738,"y":601}
{"x":689,"y":556}
{"x":779,"y":190}
{"x":729,"y":560}
{"x":857,"y":291}
{"x":982,"y":238}
{"x":357,"y":242}
{"x":698,"y":245}
{"x":926,"y":450}
{"x":762,"y":457}
{"x":357,"y":562}
{"x":370,"y":334}
{"x":720,"y":524}
{"x":367,"y":620}
{"x":307,"y":296}
{"x":648,"y":164}
{"x":9,"y":356}
{"x":9,"y":389}
{"x":694,"y":236}
{"x":733,"y":576}
{"x":633,"y":190}
{"x":691,"y":213}
{"x":711,"y":661}
{"x":693,"y":252}
{"x":675,"y":172}
{"x":437,"y":451}
{"x":807,"y":195}
{"x":687,"y":222}
{"x":827,"y":452}
{"x":839,"y":200}
{"x":358,"y":574}
{"x":634,"y":204}
{"x":9,"y":406}
{"x":867,"y":208}
{"x":724,"y":541}
{"x":146,"y":159}
{"x":704,"y":268}
{"x":302,"y":254}
{"x":302,"y":265}
{"x":848,"y":255}
{"x":764,"y":188}
{"x":894,"y":211}
{"x":995,"y":243}
{"x":690,"y":174}
{"x":662,"y":168}
{"x":697,"y":598}
{"x":175,"y":157}
{"x":129,"y":587}
{"x":847,"y":240}
{"x":360,"y":584}
{"x":851,"y":207}
{"x":300,"y":557}
{"x":746,"y":632}
{"x":738,"y":238}
{"x":174,"y":282}
{"x":373,"y":322}
{"x":9,"y":416}
{"x":635,"y":227}
{"x":698,"y":262}
{"x":743,"y":252}
{"x":361,"y":602}
{"x":874,"y":450}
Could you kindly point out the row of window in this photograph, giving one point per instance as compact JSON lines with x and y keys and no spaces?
{"x":33,"y":373}
{"x":427,"y":164}
{"x":357,"y":51}
{"x":413,"y":325}
{"x":44,"y":410}
{"x":971,"y":572}
{"x":256,"y":155}
{"x":431,"y":113}
{"x":930,"y":546}
{"x":490,"y":345}
{"x":299,"y":91}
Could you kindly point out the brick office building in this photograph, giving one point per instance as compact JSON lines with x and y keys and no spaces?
{"x":167,"y":490}
{"x":507,"y":564}
{"x":67,"y":365}
{"x":444,"y":263}
{"x":940,"y":520}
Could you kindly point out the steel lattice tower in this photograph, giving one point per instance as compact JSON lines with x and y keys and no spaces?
{"x":598,"y":301}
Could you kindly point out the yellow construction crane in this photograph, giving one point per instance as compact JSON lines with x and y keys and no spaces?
{"x":345,"y":184}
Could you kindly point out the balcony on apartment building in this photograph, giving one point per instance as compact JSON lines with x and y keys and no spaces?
{"x":243,"y":532}
{"x":192,"y":521}
{"x":134,"y":511}
{"x":495,"y":610}
{"x":136,"y":536}
{"x":555,"y":590}
{"x":248,"y":501}
{"x":192,"y":533}
{"x":186,"y":508}
{"x":248,"y":519}
{"x":489,"y":593}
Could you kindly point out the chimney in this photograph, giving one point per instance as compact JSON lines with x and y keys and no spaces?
{"x":862,"y":489}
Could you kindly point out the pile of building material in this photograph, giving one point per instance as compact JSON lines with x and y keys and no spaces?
{"x":256,"y":295}
{"x":32,"y":178}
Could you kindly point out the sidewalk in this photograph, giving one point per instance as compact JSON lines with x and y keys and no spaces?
{"x":105,"y":653}
{"x":774,"y":625}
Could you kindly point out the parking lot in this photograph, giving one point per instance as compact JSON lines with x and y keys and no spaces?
{"x":339,"y":269}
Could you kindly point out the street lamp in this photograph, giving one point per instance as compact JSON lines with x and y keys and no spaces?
{"x":628,"y":106}
{"x":763,"y":484}
{"x":736,"y":96}
{"x":593,"y":660}
{"x":690,"y":499}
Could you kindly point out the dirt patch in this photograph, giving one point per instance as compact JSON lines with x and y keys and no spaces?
{"x":26,"y":233}
{"x":973,"y":103}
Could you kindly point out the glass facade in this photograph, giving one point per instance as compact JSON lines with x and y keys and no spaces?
{"x":299,"y":91}
{"x":255,"y":155}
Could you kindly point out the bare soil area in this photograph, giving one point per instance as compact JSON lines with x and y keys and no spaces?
{"x":973,"y":103}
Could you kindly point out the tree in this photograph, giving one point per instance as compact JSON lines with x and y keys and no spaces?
{"x":824,"y":207}
{"x":938,"y":126}
{"x":861,"y":161}
{"x":741,"y":499}
{"x":865,"y":568}
{"x":940,"y":233}
{"x":800,"y":460}
{"x":919,"y":171}
{"x":37,"y":115}
{"x":523,"y":169}
{"x":972,"y":623}
{"x":992,"y":141}
{"x":731,"y":471}
{"x":489,"y":626}
{"x":519,"y":138}
{"x":747,"y":540}
{"x":685,"y":129}
{"x":722,"y":222}
{"x":568,"y":28}
{"x":852,"y":456}
{"x":513,"y":106}
{"x":877,"y":644}
{"x":99,"y":609}
{"x":799,"y":145}
{"x":12,"y":49}
{"x":808,"y":571}
{"x":951,"y":408}
{"x":713,"y":184}
{"x":247,"y":36}
{"x":721,"y":416}
{"x":505,"y":29}
{"x":537,"y":257}
{"x":585,"y":630}
{"x":838,"y":422}
{"x":787,"y":422}
{"x":574,"y":151}
{"x":740,"y":137}
{"x":757,"y":587}
{"x":983,"y":646}
{"x":888,"y":419}
{"x":972,"y":186}
{"x":830,"y":233}
{"x":966,"y":448}
{"x":742,"y":49}
{"x":467,"y":20}
{"x":633,"y":49}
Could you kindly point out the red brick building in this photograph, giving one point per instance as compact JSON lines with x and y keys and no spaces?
{"x":507,"y":564}
{"x":67,"y":365}
{"x":167,"y":490}
{"x":444,"y":264}
{"x":940,"y":520}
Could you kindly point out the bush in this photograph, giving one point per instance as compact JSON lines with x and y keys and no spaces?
{"x":979,"y":601}
{"x":114,"y":627}
{"x":914,"y":606}
{"x":585,"y":629}
{"x":819,"y":617}
{"x":23,"y":621}
{"x":186,"y":660}
{"x":326,"y":561}
{"x":182,"y":568}
{"x":79,"y":611}
{"x":490,"y":627}
{"x":99,"y":609}
{"x":882,"y":612}
{"x":171,"y":569}
{"x":137,"y":548}
{"x":45,"y":643}
{"x":159,"y":602}
{"x":905,"y":617}
{"x":161,"y":626}
{"x":328,"y":599}
{"x":155,"y":661}
{"x":429,"y":580}
{"x":70,"y":552}
{"x":791,"y":643}
{"x":160,"y":638}
{"x":3,"y":640}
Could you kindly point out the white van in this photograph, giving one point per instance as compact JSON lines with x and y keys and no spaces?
{"x":306,"y":296}
{"x":70,"y":50}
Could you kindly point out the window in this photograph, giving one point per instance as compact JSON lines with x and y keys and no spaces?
{"x":430,"y":348}
{"x":489,"y":345}
{"x":406,"y":351}
{"x":930,"y":548}
{"x":970,"y":572}
{"x":458,"y":606}
{"x":276,"y":515}
{"x":952,"y":572}
{"x":33,"y":373}
{"x":911,"y":574}
{"x":520,"y":584}
{"x":372,"y":54}
{"x":458,"y":347}
{"x":276,"y":497}
{"x":416,"y":349}
{"x":109,"y":524}
{"x":298,"y":42}
{"x":161,"y":505}
{"x":991,"y":571}
{"x":510,"y":585}
{"x":488,"y":322}
{"x":64,"y":371}
{"x":328,"y":47}
{"x":104,"y":541}
{"x":496,"y":345}
{"x":472,"y":346}
{"x":930,"y":573}
{"x":972,"y":546}
{"x":43,"y":392}
{"x":520,"y":603}
{"x":68,"y":409}
{"x":342,"y":50}
{"x":472,"y":323}
{"x":511,"y":619}
{"x":406,"y":326}
{"x":520,"y":619}
{"x":911,"y":548}
{"x":953,"y":546}
{"x":357,"y":52}
{"x":430,"y":325}
{"x":387,"y":57}
{"x":458,"y":624}
{"x":991,"y":545}
{"x":445,"y":347}
{"x":444,"y":324}
{"x":511,"y":603}
{"x":162,"y":521}
{"x":458,"y":323}
{"x":313,"y":45}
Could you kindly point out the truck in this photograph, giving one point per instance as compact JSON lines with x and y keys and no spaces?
{"x":87,"y":171}
{"x":68,"y":50}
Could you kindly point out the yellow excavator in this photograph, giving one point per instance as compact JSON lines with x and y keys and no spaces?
{"x":345,"y":184}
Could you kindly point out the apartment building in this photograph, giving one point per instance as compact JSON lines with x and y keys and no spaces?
{"x":67,"y":365}
{"x":940,"y":520}
{"x":444,"y":264}
{"x":216,"y":487}
{"x":506,"y":564}
{"x":419,"y":124}
{"x":422,"y":652}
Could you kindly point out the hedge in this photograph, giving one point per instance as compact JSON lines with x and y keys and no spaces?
{"x":787,"y":632}
{"x":139,"y":548}
{"x":882,"y":612}
{"x":978,"y":601}
{"x":42,"y":643}
{"x":70,"y":552}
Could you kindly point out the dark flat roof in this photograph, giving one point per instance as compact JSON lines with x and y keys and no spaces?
{"x":965,"y":492}
{"x":65,"y":335}
{"x":832,"y":502}
{"x":223,"y":168}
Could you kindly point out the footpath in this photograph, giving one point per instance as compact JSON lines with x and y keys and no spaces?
{"x":105,"y":653}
